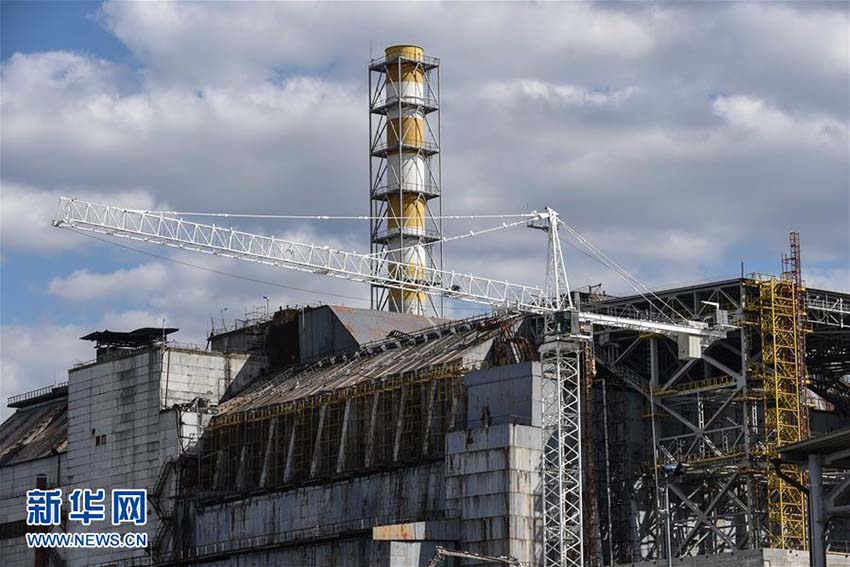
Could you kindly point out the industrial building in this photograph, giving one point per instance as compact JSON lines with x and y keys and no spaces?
{"x":329,"y":435}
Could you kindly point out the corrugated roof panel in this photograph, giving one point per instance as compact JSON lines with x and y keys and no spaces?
{"x":369,"y":325}
{"x":34,"y":432}
{"x":466,"y":344}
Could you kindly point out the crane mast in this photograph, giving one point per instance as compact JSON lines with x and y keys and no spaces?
{"x":566,"y":328}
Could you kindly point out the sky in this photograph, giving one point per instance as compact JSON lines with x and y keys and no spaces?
{"x":683,"y":139}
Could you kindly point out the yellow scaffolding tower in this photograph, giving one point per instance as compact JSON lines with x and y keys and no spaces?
{"x":776,"y":309}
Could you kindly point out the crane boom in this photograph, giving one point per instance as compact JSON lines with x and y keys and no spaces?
{"x":175,"y":232}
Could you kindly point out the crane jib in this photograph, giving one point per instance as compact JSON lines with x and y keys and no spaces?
{"x":170,"y":231}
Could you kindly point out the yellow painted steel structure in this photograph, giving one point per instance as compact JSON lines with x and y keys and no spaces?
{"x":775,"y":309}
{"x":406,"y":176}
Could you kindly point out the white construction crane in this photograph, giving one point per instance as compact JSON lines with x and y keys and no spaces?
{"x":566,"y":328}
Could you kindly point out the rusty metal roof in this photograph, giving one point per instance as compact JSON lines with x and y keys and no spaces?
{"x":463,"y":344}
{"x":34,"y":432}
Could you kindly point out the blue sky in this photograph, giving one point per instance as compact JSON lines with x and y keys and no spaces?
{"x":681,"y":139}
{"x":32,"y":27}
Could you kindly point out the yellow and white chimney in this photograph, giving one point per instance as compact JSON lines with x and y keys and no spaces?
{"x":404,"y":135}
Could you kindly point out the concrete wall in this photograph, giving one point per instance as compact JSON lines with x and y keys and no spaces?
{"x":492,"y":478}
{"x":187,"y":374}
{"x":507,"y":394}
{"x":405,"y":493}
{"x":15,"y":480}
{"x":130,"y":401}
{"x":492,"y":468}
{"x":486,"y":489}
{"x":127,"y":400}
{"x":321,"y":333}
{"x":344,"y":552}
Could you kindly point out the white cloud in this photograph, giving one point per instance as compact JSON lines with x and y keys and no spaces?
{"x":810,"y":35}
{"x":84,"y":285}
{"x":835,"y":279}
{"x":532,"y":90}
{"x":771,"y":125}
{"x":26,"y":214}
{"x":608,"y":112}
{"x":23,"y":363}
{"x":665,"y":246}
{"x":190,"y":43}
{"x":221,"y":147}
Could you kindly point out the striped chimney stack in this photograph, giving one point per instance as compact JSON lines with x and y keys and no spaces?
{"x":405,"y":189}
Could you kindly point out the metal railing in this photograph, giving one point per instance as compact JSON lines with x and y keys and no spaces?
{"x":425,"y":147}
{"x":128,"y":352}
{"x":425,"y":61}
{"x":427,"y":101}
{"x":32,"y":394}
{"x":395,"y":187}
{"x":408,"y":231}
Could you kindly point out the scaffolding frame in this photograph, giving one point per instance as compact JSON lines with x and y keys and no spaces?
{"x":399,"y":418}
{"x":775,"y":305}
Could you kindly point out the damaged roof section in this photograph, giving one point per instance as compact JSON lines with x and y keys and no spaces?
{"x":332,"y":329}
{"x":459,"y":344}
{"x":368,"y":325}
{"x":35,"y":432}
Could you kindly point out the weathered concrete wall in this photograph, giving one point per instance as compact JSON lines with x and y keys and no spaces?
{"x":487,"y":488}
{"x":130,"y":401}
{"x":187,"y":374}
{"x":15,"y":480}
{"x":126,"y":400}
{"x":492,"y":478}
{"x":492,"y":468}
{"x":321,"y":333}
{"x":347,"y":552}
{"x":507,"y":394}
{"x":402,"y":494}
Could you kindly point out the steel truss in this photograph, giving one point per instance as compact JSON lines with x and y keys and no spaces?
{"x":700,"y":500}
{"x":827,"y":308}
{"x":700,"y":489}
{"x":563,"y":526}
{"x":174,"y":232}
{"x":711,"y":454}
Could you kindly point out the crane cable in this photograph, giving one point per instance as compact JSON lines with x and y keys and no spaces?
{"x":325,"y":217}
{"x":595,"y":252}
{"x":622,"y":272}
{"x":237,"y":276}
{"x":462,"y":236}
